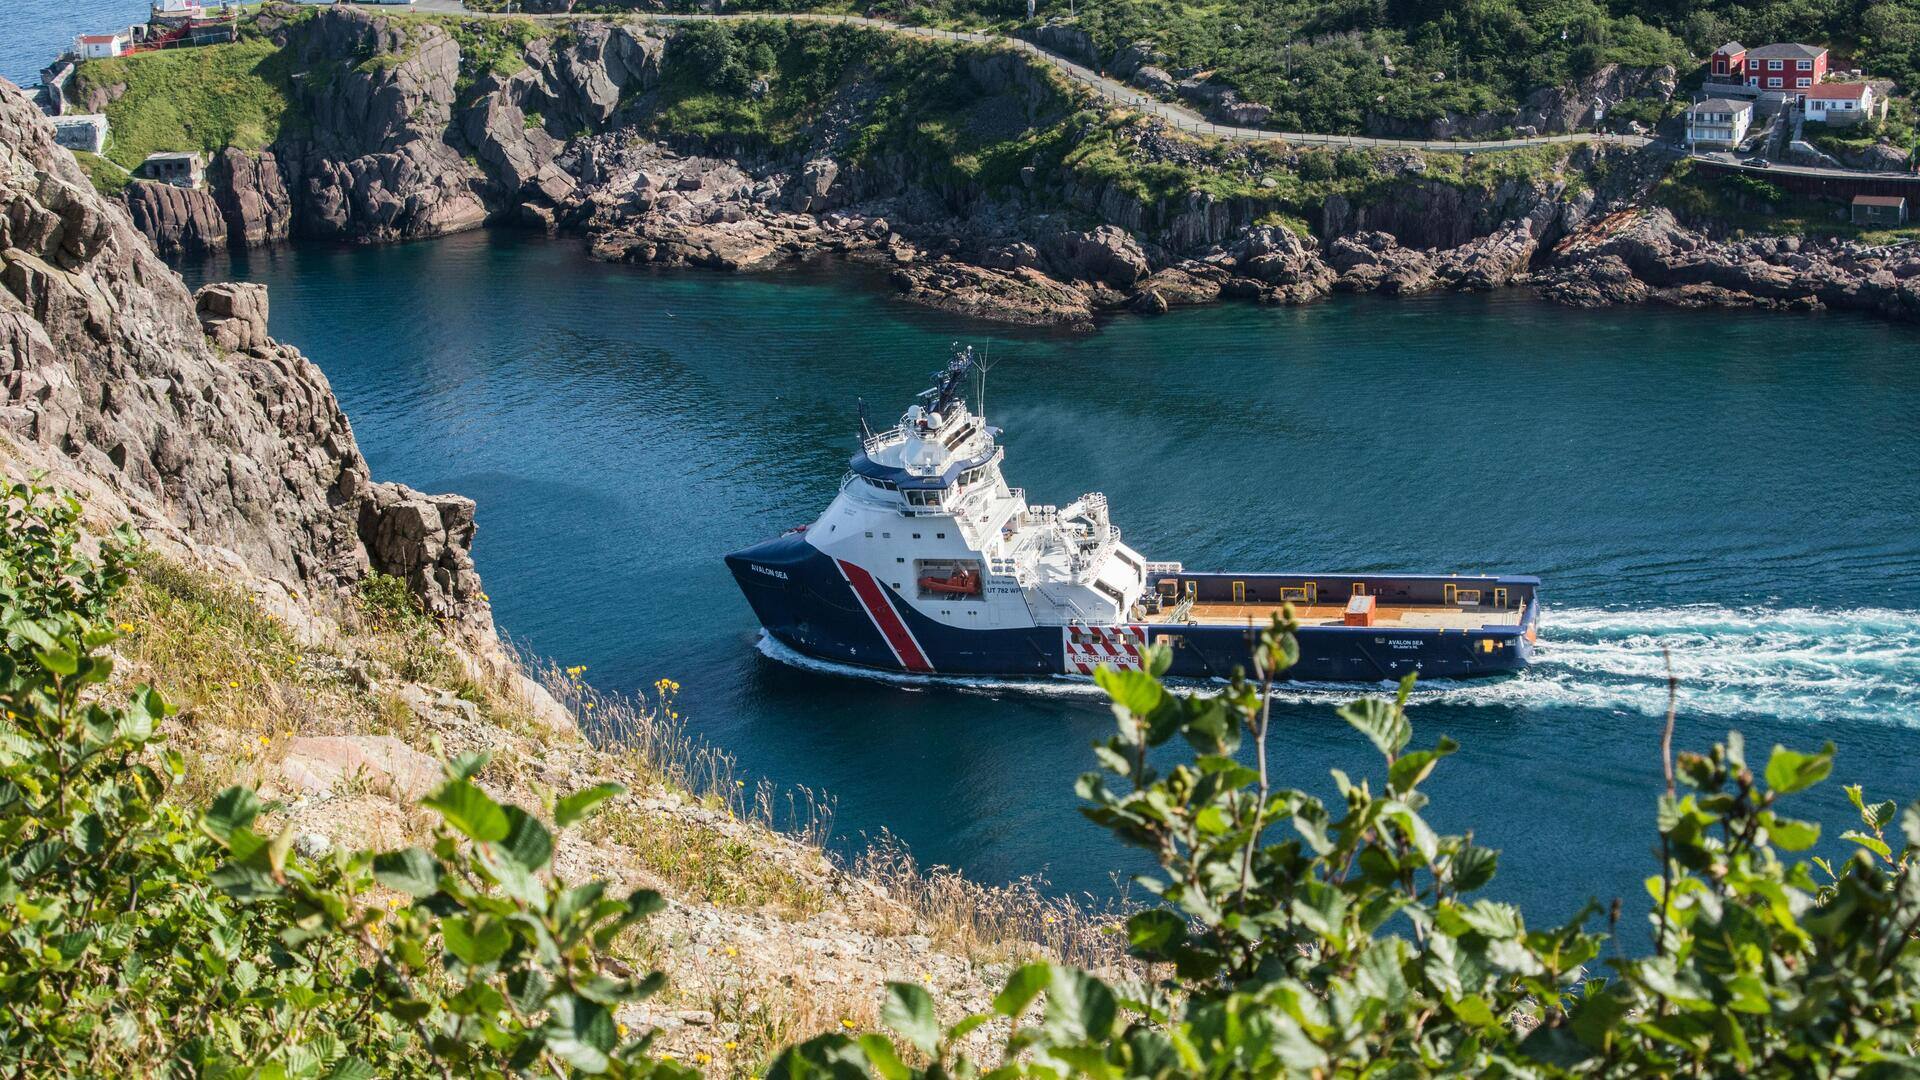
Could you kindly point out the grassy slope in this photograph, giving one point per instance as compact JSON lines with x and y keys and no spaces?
{"x":921,"y":104}
{"x":193,"y":99}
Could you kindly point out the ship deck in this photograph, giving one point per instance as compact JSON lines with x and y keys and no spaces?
{"x":1421,"y":617}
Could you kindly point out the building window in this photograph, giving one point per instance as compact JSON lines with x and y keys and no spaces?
{"x":1803,"y":82}
{"x":1776,"y":65}
{"x":1773,"y":84}
{"x":1803,"y":65}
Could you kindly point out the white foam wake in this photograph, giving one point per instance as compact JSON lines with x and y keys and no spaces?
{"x":1795,"y":664}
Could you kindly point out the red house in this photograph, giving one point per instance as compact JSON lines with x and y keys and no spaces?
{"x":1786,"y":68}
{"x":1729,"y":63}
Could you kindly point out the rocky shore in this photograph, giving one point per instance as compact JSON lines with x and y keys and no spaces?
{"x":412,"y":144}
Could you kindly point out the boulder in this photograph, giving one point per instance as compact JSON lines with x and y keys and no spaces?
{"x":1065,"y":38}
{"x":252,"y":193}
{"x":1153,"y":80}
{"x":813,"y":189}
{"x":330,"y":765}
{"x":1129,"y":59}
{"x":1375,"y":261}
{"x":1245,"y":113}
{"x":427,"y":541}
{"x":1106,"y":254}
{"x":233,"y":314}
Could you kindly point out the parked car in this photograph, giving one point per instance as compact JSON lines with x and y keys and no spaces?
{"x":1761,"y":163}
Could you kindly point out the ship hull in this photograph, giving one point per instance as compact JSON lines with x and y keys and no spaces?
{"x":829,"y":610}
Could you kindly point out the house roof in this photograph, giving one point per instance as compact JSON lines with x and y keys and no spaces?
{"x":175,"y":155}
{"x":1839,"y":91}
{"x":78,"y":119}
{"x":1730,"y":47}
{"x":1719,"y":104}
{"x":1792,"y":51}
{"x":1880,"y":200}
{"x":101,"y":39}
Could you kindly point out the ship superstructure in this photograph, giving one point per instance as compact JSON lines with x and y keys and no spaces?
{"x":928,"y":561}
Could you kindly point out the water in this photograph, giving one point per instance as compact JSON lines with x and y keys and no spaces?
{"x":33,"y":32}
{"x":1739,"y":488}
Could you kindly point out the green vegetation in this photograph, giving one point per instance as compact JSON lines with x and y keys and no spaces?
{"x":108,"y":178}
{"x":1298,"y":938}
{"x":146,"y":938}
{"x":1896,"y":129}
{"x":192,"y":99}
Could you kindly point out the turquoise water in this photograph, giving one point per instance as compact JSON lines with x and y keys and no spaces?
{"x":1739,"y":488}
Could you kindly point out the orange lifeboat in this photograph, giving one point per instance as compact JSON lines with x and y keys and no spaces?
{"x":962,"y":582}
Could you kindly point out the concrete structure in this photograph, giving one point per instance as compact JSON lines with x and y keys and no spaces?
{"x":1879,"y":210}
{"x":102,"y":46}
{"x":81,"y":131}
{"x":1718,"y":122}
{"x":1841,"y":103}
{"x":181,"y":169}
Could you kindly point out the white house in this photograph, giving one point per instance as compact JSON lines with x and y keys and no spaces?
{"x":1718,"y":122}
{"x":102,"y":46}
{"x":1841,"y":103}
{"x":81,"y":131}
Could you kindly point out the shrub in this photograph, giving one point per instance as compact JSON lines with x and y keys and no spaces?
{"x":1347,"y":940}
{"x":139,"y":936}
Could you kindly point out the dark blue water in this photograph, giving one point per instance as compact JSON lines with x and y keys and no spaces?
{"x":1739,"y":488}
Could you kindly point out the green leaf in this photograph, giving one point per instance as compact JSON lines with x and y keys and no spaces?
{"x":881,"y":1057}
{"x":1473,"y":866}
{"x":413,"y":871}
{"x":1789,"y":771}
{"x":476,"y":940}
{"x":1791,"y":835}
{"x":1135,"y":691}
{"x":351,"y":1068}
{"x":1079,"y":1006}
{"x":581,"y":1032}
{"x":233,"y":809}
{"x":470,"y":810}
{"x":1409,"y":771}
{"x":1381,"y":721}
{"x":1153,"y":931}
{"x":908,"y":1010}
{"x":1023,"y":986}
{"x":1871,"y":843}
{"x":577,"y":806}
{"x":528,"y":843}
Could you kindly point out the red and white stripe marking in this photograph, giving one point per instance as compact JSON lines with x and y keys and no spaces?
{"x":906,"y":648}
{"x":1087,"y":647}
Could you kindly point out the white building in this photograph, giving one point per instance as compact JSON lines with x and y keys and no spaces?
{"x":1718,"y":122}
{"x":81,"y":131}
{"x":1841,"y":103}
{"x":102,"y":46}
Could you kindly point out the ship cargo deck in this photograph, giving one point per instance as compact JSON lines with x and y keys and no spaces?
{"x":1418,"y":616}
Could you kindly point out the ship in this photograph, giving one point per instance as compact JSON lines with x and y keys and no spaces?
{"x":927,"y":562}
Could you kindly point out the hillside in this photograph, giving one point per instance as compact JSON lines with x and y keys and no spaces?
{"x":1407,"y":66}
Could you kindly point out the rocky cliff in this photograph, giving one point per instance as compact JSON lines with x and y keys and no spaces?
{"x":210,"y":432}
{"x":406,"y":135}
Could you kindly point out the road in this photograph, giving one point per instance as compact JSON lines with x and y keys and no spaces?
{"x":1178,"y":116}
{"x":1721,"y":157}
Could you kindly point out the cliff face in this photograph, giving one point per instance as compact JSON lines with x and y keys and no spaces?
{"x":210,"y":431}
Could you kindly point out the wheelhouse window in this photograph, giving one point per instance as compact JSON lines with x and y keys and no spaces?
{"x":930,"y":499}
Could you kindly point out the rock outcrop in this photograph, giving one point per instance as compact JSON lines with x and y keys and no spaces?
{"x":179,"y":221}
{"x":213,"y":434}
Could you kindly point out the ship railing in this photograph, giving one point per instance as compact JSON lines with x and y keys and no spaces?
{"x":1183,"y":611}
{"x":883,"y":439}
{"x":1166,"y":568}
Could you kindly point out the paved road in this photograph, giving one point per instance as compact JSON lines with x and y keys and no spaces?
{"x":1721,"y":157}
{"x":1175,"y":115}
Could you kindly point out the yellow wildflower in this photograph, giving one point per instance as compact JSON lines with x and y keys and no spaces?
{"x":266,"y":740}
{"x":126,"y":628}
{"x":623,"y":1031}
{"x":233,"y":684}
{"x":731,"y":951}
{"x":846,"y":1023}
{"x":731,"y":1045}
{"x":703,"y":1057}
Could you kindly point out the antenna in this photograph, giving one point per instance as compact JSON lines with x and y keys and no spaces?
{"x":866,"y":429}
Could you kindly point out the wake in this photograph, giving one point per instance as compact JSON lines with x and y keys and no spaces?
{"x":1791,"y":664}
